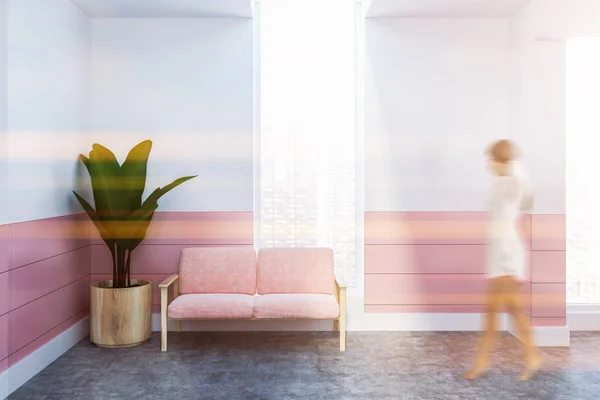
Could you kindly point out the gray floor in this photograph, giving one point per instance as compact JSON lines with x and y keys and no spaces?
{"x":269,"y":365}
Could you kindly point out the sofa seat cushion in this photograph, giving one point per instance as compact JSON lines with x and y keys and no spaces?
{"x":205,"y":270}
{"x":291,"y":270}
{"x":291,"y":306}
{"x":221,"y":306}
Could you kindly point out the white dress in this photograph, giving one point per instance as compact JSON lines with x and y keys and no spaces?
{"x":506,"y":252}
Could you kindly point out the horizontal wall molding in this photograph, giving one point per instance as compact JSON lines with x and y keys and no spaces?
{"x":425,"y":289}
{"x":29,"y":242}
{"x":421,"y":227}
{"x":425,"y":259}
{"x":548,"y":232}
{"x":17,"y":375}
{"x":28,"y":283}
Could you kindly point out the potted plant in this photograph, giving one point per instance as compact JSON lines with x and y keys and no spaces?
{"x":120,"y":312}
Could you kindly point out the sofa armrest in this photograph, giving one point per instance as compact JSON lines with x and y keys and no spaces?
{"x":169,"y":281}
{"x":340,"y":291}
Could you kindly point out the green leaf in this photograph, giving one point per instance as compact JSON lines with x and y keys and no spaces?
{"x":136,"y":225}
{"x":133,"y":172}
{"x":133,"y":230}
{"x":105,"y":172}
{"x":104,"y":234}
{"x":175,"y":183}
{"x":85,"y":161}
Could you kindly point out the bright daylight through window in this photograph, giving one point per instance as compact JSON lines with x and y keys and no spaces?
{"x":307,"y":133}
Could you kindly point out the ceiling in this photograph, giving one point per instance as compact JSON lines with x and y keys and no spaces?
{"x":166,"y":8}
{"x":445,"y":8}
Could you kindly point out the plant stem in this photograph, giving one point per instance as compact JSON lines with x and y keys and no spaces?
{"x":113,"y":251}
{"x":121,"y":273}
{"x":128,"y":267}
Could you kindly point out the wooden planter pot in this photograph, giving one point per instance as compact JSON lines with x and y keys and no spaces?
{"x":120,"y":317}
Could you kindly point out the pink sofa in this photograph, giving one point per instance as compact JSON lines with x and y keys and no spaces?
{"x":233,"y":283}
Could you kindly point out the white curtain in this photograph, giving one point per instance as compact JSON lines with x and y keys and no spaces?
{"x":308,"y":132}
{"x":582,"y":171}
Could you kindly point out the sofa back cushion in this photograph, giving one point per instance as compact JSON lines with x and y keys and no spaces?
{"x":295,"y":270}
{"x":217,"y":270}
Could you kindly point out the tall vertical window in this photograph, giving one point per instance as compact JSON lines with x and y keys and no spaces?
{"x":583,"y":171}
{"x":308,"y":130}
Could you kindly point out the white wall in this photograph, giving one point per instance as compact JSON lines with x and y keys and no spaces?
{"x":187,"y":85}
{"x":559,"y":19}
{"x":48,"y":79}
{"x":539,"y":97}
{"x":4,"y":203}
{"x":437,"y":93}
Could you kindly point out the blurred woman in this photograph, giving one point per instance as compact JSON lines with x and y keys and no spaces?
{"x":511,"y":194}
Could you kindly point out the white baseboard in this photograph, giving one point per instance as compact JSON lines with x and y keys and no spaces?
{"x":547,"y":336}
{"x":17,"y":375}
{"x":419,"y":322}
{"x":584,"y":321}
{"x":359,"y":321}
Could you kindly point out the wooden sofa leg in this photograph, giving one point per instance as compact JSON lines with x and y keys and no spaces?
{"x":343,"y":335}
{"x":163,"y":319}
{"x":342,"y":324}
{"x":336,"y":326}
{"x":178,"y":325}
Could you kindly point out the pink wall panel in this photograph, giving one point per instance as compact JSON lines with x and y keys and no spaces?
{"x":29,"y":322}
{"x":548,"y":266}
{"x":548,"y":300}
{"x":431,"y":261}
{"x":33,"y":281}
{"x":548,"y":232}
{"x":6,"y":331}
{"x":41,"y":239}
{"x":44,"y":288}
{"x":430,"y":289}
{"x":198,"y":228}
{"x":5,"y":297}
{"x":6,"y":248}
{"x":423,"y":227}
{"x":397,"y":227}
{"x":151,"y":259}
{"x":42,"y":340}
{"x":425,"y":259}
{"x":549,"y":321}
{"x":44,"y":282}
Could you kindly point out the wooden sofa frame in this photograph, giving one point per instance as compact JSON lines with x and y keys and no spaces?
{"x":339,"y":324}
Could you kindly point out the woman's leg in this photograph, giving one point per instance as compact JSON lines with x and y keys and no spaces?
{"x":490,"y":328}
{"x":515,"y":306}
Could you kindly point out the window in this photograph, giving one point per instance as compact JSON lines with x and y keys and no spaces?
{"x":307,"y":128}
{"x":582,"y":171}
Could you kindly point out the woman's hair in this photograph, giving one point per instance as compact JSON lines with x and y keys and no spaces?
{"x":502,"y":151}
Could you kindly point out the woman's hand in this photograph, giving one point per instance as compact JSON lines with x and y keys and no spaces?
{"x":527,"y":203}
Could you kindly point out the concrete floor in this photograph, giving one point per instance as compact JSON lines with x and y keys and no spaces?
{"x":289,"y":365}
